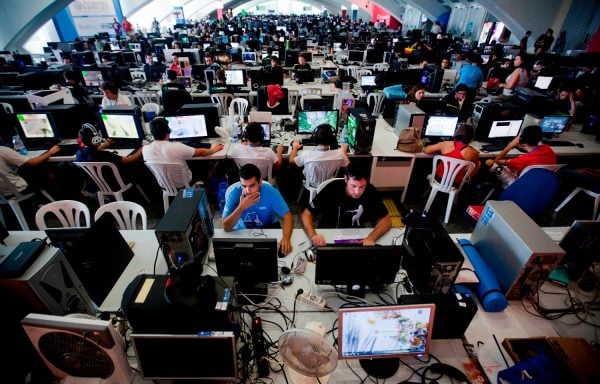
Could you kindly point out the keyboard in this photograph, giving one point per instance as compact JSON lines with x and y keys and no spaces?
{"x":492,"y":147}
{"x":559,"y":143}
{"x":201,"y":145}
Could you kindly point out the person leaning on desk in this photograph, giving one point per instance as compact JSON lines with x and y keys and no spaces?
{"x":348,"y":203}
{"x":252,"y":203}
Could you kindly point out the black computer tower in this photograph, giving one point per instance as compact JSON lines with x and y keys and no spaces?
{"x":486,"y":113}
{"x":360,"y":130}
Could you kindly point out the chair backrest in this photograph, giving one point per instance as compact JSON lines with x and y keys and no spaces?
{"x":8,"y":108}
{"x":550,"y":167}
{"x":365,"y":72}
{"x":96,"y":170}
{"x":170,"y":176}
{"x":264,"y":165}
{"x":223,"y":100}
{"x":238,"y":106}
{"x":151,"y":107}
{"x":452,"y":168}
{"x":380,"y":67}
{"x":307,"y":97}
{"x":311,"y":91}
{"x":317,"y":171}
{"x":352,"y":70}
{"x":326,"y":182}
{"x":127,"y":214}
{"x":293,"y":99}
{"x":68,"y":213}
{"x":375,"y":101}
{"x":144,"y":97}
{"x":533,"y":192}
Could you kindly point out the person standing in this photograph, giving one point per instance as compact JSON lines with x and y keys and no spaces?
{"x":155,"y":26}
{"x":117,"y":27}
{"x":543,"y":42}
{"x":523,"y":43}
{"x":127,"y":27}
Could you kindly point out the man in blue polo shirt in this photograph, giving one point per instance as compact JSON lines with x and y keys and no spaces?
{"x":252,"y":203}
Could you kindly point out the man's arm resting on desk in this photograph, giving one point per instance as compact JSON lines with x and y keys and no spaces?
{"x":381,"y":228}
{"x":288,"y":227}
{"x":309,"y":228}
{"x":43,"y":157}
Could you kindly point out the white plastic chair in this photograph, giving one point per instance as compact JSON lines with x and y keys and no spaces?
{"x":95,"y":170}
{"x":588,"y":192}
{"x":238,"y":106}
{"x":307,"y":97}
{"x":293,"y":99}
{"x":127,"y":214}
{"x":326,"y":182}
{"x":68,"y":212}
{"x":380,"y":67}
{"x":129,"y":95}
{"x":353,"y":71}
{"x":315,"y":173}
{"x":14,"y":200}
{"x":144,"y":97}
{"x":452,"y":168}
{"x":375,"y":100}
{"x":8,"y":108}
{"x":150,"y":107}
{"x":264,"y":165}
{"x":311,"y":91}
{"x":170,"y":178}
{"x":223,"y":100}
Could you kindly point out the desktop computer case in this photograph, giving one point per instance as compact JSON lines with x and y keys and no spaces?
{"x":408,"y":115}
{"x":365,"y":130}
{"x":515,"y":248}
{"x":50,"y":286}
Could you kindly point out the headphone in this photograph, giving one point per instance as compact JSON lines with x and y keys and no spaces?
{"x":96,"y":138}
{"x":327,"y":127}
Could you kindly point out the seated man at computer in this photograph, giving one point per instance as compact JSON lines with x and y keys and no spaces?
{"x":172,"y":82}
{"x":348,"y":203}
{"x":302,"y":70}
{"x":175,"y":65}
{"x":252,"y":203}
{"x":112,"y":98}
{"x":324,"y":138}
{"x":252,"y":146}
{"x":535,"y":153}
{"x":220,"y":86}
{"x":161,"y":150}
{"x":457,"y":103}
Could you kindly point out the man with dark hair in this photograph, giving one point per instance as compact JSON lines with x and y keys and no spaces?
{"x":252,"y":147}
{"x":529,"y":141}
{"x":252,"y":203}
{"x":543,"y":42}
{"x":219,"y":86}
{"x":161,"y":150}
{"x":112,"y":98}
{"x":172,"y":82}
{"x":175,"y":65}
{"x":523,"y":43}
{"x":324,"y":138}
{"x":458,"y":103}
{"x":348,"y":203}
{"x":302,"y":71}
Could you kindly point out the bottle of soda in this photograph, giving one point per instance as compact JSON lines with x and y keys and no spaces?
{"x":18,"y":145}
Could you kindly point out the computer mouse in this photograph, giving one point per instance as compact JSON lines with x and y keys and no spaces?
{"x":579,"y":145}
{"x":280,"y":253}
{"x":286,"y":279}
{"x":309,"y":254}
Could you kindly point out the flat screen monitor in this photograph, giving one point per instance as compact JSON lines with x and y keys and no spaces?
{"x":335,"y":265}
{"x":356,"y":56}
{"x":92,"y":78}
{"x":543,"y":82}
{"x":554,"y":125}
{"x":368,"y":81}
{"x":209,"y":110}
{"x":266,"y":131}
{"x":308,"y":121}
{"x":186,"y":81}
{"x":235,"y":77}
{"x":121,"y":126}
{"x":505,"y":129}
{"x":440,"y":126}
{"x":187,"y":127}
{"x":189,"y":357}
{"x":249,"y":57}
{"x":36,"y":125}
{"x":307,"y":56}
{"x":582,"y":248}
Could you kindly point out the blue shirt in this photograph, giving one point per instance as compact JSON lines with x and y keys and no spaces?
{"x":265,"y":212}
{"x":470,"y":75}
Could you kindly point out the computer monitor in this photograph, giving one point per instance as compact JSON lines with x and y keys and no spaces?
{"x":187,"y":127}
{"x":118,"y":126}
{"x":368,"y":81}
{"x":307,"y":56}
{"x":543,"y":82}
{"x":252,"y":261}
{"x":189,"y":356}
{"x":35,"y":125}
{"x":235,"y":77}
{"x":554,"y":125}
{"x":504,"y":130}
{"x":129,"y":57}
{"x":186,"y":81}
{"x":431,"y":78}
{"x":83,"y":58}
{"x":336,"y":265}
{"x":440,"y":127}
{"x":92,"y":78}
{"x":356,"y":56}
{"x":248,"y":57}
{"x":380,"y":335}
{"x":308,"y":121}
{"x":582,"y":246}
{"x":266,"y":131}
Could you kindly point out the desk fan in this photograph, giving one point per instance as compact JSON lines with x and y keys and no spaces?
{"x":308,"y":356}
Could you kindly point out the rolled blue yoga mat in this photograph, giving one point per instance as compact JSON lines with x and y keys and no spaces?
{"x":488,"y":290}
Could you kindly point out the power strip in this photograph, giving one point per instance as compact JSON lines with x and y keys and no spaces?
{"x":312,"y":299}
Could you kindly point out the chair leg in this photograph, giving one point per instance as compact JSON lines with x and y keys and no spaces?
{"x":430,"y":199}
{"x":166,"y":202}
{"x":596,"y":206}
{"x":565,"y":201}
{"x":141,"y":190}
{"x":19,"y":214}
{"x":47,"y":195}
{"x":451,"y":201}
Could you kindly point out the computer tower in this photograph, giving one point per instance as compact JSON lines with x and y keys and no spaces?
{"x":184,"y":230}
{"x":49,"y":285}
{"x":485,"y":113}
{"x":515,"y":248}
{"x":360,"y":130}
{"x":408,"y":115}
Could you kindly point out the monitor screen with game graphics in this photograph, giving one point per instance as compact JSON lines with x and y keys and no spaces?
{"x":36,"y":125}
{"x":234,"y":77}
{"x":384,"y":332}
{"x":308,"y":121}
{"x":92,"y":78}
{"x":505,"y":129}
{"x":554,"y":125}
{"x":187,"y":127}
{"x":440,"y":126}
{"x":122,"y":126}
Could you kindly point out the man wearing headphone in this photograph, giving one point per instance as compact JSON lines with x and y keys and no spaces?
{"x":252,"y":146}
{"x":161,"y":150}
{"x":112,"y":98}
{"x":325,"y":138}
{"x":348,"y":203}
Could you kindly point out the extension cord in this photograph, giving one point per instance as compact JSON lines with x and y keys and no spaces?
{"x":312,"y":299}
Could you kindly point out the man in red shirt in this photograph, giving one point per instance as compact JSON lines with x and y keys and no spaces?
{"x":127,"y":27}
{"x":529,"y":141}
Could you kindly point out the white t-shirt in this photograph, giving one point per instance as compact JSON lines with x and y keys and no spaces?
{"x":248,"y":151}
{"x":122,"y":101}
{"x":306,"y":156}
{"x":163,"y":151}
{"x":10,"y":160}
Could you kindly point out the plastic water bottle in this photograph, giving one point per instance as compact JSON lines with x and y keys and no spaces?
{"x":18,"y":145}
